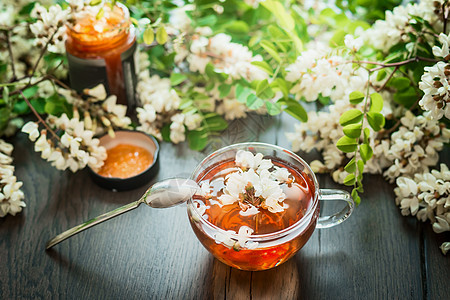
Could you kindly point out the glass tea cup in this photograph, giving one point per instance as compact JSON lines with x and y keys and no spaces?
{"x":255,"y":252}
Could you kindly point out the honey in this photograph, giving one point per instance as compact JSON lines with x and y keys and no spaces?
{"x":101,"y":51}
{"x":125,"y":160}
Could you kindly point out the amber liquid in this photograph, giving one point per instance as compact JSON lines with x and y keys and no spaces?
{"x":230,"y":217}
{"x":83,"y":41}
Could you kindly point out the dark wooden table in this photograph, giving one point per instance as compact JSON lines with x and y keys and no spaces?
{"x":154,"y":254}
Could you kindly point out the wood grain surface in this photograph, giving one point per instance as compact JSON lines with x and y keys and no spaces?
{"x":154,"y":254}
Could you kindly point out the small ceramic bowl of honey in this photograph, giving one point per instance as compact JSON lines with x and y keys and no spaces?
{"x":132,"y":161}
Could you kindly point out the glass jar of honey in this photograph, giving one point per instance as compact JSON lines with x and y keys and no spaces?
{"x":101,"y":48}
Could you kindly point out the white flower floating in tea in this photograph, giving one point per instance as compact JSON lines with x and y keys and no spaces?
{"x":228,"y":238}
{"x":256,"y":183}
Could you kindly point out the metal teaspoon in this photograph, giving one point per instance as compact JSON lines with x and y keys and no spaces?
{"x":162,"y":194}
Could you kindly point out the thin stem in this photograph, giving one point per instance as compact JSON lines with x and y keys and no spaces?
{"x":400,"y":63}
{"x":387,"y":80}
{"x":38,"y":116}
{"x":42,"y":54}
{"x":11,"y":56}
{"x":444,"y":17}
{"x":59,"y":82}
{"x":27,"y":85}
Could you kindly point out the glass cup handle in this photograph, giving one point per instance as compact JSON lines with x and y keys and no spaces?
{"x":339,"y":217}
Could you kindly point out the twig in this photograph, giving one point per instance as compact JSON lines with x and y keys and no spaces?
{"x":42,"y":54}
{"x":27,"y":85}
{"x":400,"y":63}
{"x":59,"y":82}
{"x":38,"y":116}
{"x":444,"y":16}
{"x":387,"y":80}
{"x":11,"y":56}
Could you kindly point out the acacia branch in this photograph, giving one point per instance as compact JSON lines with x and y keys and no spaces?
{"x":396,"y":64}
{"x":38,"y":116}
{"x":42,"y":53}
{"x":11,"y":56}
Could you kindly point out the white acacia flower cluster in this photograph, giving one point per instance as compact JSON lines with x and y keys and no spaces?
{"x":229,"y":107}
{"x":160,"y":104}
{"x":99,"y":110}
{"x":227,"y":57}
{"x":414,"y":146}
{"x":315,"y":73}
{"x":50,"y":27}
{"x":237,"y":241}
{"x":255,"y":180}
{"x":427,"y":196}
{"x":435,"y":85}
{"x":395,"y":27}
{"x":76,"y":149}
{"x":11,"y":197}
{"x":23,"y":51}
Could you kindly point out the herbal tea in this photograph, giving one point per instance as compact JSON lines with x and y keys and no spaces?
{"x":248,"y":196}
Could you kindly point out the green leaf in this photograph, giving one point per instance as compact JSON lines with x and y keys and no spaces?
{"x":400,"y":83}
{"x":376,"y":120}
{"x":207,"y":21}
{"x":237,"y":27}
{"x":100,"y":14}
{"x":27,"y":9}
{"x":95,"y":2}
{"x":263,"y":66}
{"x":360,"y":165}
{"x":282,"y":85}
{"x":263,"y":90}
{"x":356,"y":197}
{"x":277,"y":9}
{"x":407,"y":97}
{"x":338,"y":38}
{"x":276,"y":33}
{"x":21,"y":108}
{"x":177,"y":78}
{"x":381,"y":74}
{"x":224,"y":90}
{"x":353,"y":130}
{"x":242,"y":93}
{"x":366,"y":152}
{"x":356,"y":97}
{"x":215,"y":123}
{"x":273,"y":108}
{"x":5,"y":115}
{"x":295,"y":109}
{"x":351,"y":166}
{"x":186,"y":103}
{"x":149,"y":36}
{"x":57,"y":105}
{"x":366,"y":135}
{"x":376,"y":103}
{"x":198,"y":139}
{"x":254,"y":102}
{"x":165,"y":133}
{"x":161,"y":35}
{"x":350,"y":117}
{"x":271,"y":49}
{"x":6,"y":94}
{"x":350,"y":179}
{"x":31,"y":91}
{"x":324,"y":100}
{"x":346,"y":144}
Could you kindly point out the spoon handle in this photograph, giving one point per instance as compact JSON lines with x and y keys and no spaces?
{"x":92,"y":222}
